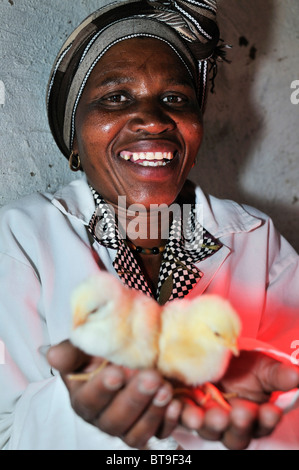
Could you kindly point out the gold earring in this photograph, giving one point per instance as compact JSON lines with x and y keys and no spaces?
{"x":74,"y":166}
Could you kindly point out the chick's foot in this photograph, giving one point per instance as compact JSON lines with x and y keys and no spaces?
{"x":84,"y":377}
{"x":204,"y":394}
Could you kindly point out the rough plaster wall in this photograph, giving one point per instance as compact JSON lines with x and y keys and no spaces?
{"x":250,"y":152}
{"x":31,"y":34}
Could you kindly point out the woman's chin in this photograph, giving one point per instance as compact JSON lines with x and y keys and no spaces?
{"x":153,"y":199}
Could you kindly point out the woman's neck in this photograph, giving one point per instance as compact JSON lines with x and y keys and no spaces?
{"x":145,"y":228}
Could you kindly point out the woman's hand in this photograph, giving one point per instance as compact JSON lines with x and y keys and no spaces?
{"x":133,"y":406}
{"x":254,"y":376}
{"x":138,"y":405}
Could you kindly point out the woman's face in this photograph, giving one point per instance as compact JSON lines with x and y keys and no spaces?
{"x":138,"y":124}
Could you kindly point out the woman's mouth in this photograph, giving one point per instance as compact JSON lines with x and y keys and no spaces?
{"x":152,"y":159}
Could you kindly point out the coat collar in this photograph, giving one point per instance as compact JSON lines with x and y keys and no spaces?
{"x":222,"y":217}
{"x":75,"y":200}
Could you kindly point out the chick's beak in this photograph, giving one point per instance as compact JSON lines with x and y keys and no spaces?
{"x":233,"y":346}
{"x":79,"y":318}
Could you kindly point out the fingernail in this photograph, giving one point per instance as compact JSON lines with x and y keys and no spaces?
{"x":163,"y":396}
{"x":194,"y":419}
{"x":112,"y":379}
{"x":217,"y":419}
{"x":241,"y":417}
{"x":173,"y":411}
{"x":148,"y":384}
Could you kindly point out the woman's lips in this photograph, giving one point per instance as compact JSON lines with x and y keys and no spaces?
{"x":152,"y":159}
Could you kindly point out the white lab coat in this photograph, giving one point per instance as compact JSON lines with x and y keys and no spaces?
{"x":45,"y":252}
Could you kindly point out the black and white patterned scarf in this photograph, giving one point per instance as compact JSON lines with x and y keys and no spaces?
{"x":178,"y":273}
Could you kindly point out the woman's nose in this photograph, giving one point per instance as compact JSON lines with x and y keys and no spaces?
{"x":151,"y":118}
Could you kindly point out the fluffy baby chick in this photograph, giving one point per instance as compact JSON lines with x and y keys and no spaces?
{"x":114,"y":322}
{"x":196,"y":342}
{"x":197,"y":339}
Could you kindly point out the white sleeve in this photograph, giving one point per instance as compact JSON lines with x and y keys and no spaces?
{"x":24,"y":340}
{"x":35,"y":412}
{"x":41,"y":419}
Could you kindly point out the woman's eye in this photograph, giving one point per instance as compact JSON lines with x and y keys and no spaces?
{"x":173,"y":99}
{"x":111,"y":100}
{"x":116,"y":99}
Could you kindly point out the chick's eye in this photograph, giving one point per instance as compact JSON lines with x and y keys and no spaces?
{"x":217,"y":334}
{"x":92,"y":312}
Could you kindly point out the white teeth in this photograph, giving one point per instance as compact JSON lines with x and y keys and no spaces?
{"x":153,"y":164}
{"x":135,"y":157}
{"x":147,"y":156}
{"x":168,"y":155}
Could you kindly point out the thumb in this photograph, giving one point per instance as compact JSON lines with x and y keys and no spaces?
{"x":66,"y":358}
{"x":279,"y":376}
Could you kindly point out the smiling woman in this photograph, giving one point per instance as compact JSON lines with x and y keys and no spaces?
{"x":125,"y":100}
{"x":124,"y":127}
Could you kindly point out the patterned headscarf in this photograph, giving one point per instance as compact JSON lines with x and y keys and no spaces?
{"x":188,"y":26}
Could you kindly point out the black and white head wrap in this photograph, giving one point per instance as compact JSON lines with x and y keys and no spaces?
{"x":188,"y":26}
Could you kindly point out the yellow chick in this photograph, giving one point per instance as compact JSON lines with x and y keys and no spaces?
{"x":197,"y":339}
{"x":114,"y":322}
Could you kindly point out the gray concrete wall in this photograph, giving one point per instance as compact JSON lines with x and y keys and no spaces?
{"x":250,"y":152}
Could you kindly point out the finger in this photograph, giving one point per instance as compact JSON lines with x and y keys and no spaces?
{"x":268,"y":418}
{"x":130,"y":403}
{"x":150,"y":421}
{"x":278,"y":376}
{"x":90,"y":398}
{"x":171,"y":419}
{"x":66,"y":358}
{"x":192,"y":417}
{"x":216,"y":422}
{"x":243,"y":418}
